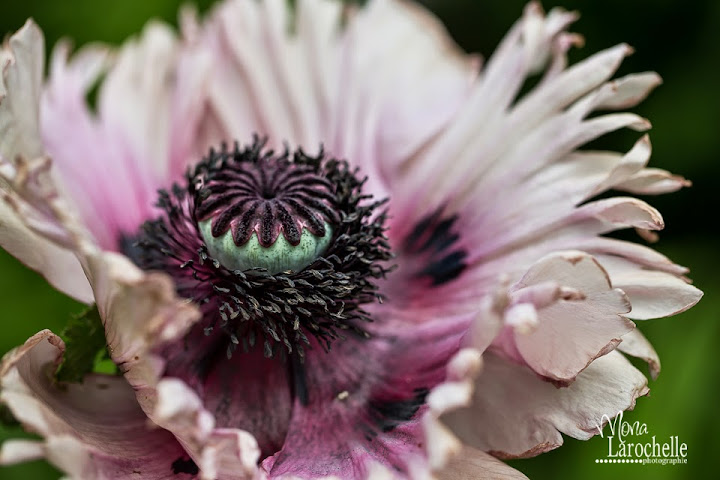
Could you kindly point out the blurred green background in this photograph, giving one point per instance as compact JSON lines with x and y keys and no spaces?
{"x":678,"y":39}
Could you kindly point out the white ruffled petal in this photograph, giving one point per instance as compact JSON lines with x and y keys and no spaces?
{"x":28,"y":226}
{"x":635,"y":344}
{"x":21,"y":65}
{"x":91,"y":430}
{"x":226,"y":453}
{"x":569,"y":335}
{"x":516,"y":414}
{"x":656,"y":294}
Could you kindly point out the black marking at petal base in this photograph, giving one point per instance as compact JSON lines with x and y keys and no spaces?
{"x":280,"y":313}
{"x":423,"y":228}
{"x":433,"y":238}
{"x":386,"y":416}
{"x":185,"y":465}
{"x":446,"y":268}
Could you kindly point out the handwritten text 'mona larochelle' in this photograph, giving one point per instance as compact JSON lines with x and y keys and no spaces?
{"x":620,"y":446}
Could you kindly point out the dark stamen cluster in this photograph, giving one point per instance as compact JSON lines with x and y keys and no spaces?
{"x":281,"y":311}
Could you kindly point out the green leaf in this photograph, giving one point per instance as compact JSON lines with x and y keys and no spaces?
{"x":84,"y":338}
{"x":7,"y":419}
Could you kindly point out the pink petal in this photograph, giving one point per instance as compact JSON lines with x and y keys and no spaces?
{"x":18,"y":451}
{"x":620,"y":212}
{"x":248,"y":391}
{"x":516,"y":414}
{"x":338,"y":85}
{"x":88,"y":167}
{"x":487,"y":318}
{"x":588,"y":220}
{"x":58,"y":265}
{"x":653,"y":181}
{"x":472,"y":464}
{"x":564,"y":89}
{"x":187,"y":143}
{"x":391,"y":115}
{"x":610,"y":249}
{"x":563,"y":185}
{"x":442,"y":445}
{"x":21,"y":65}
{"x":630,"y":164}
{"x":91,"y":430}
{"x":503,"y":162}
{"x":550,"y":196}
{"x":372,"y":405}
{"x":474,"y":129}
{"x":139,"y":311}
{"x":114,"y":162}
{"x":570,"y":334}
{"x":628,"y":91}
{"x":134,"y":104}
{"x":656,"y":294}
{"x":23,"y":177}
{"x":142,"y":316}
{"x":635,"y":344}
{"x":221,"y":453}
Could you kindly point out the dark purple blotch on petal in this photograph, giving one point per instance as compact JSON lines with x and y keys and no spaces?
{"x":388,"y":414}
{"x":435,"y":241}
{"x":445,"y":269}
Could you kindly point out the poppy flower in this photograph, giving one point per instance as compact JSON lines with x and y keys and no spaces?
{"x":325,"y":242}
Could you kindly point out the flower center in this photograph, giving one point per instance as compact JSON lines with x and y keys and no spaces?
{"x":266,"y":213}
{"x":274,"y":249}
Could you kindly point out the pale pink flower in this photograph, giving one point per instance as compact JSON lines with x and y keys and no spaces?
{"x":504,"y":324}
